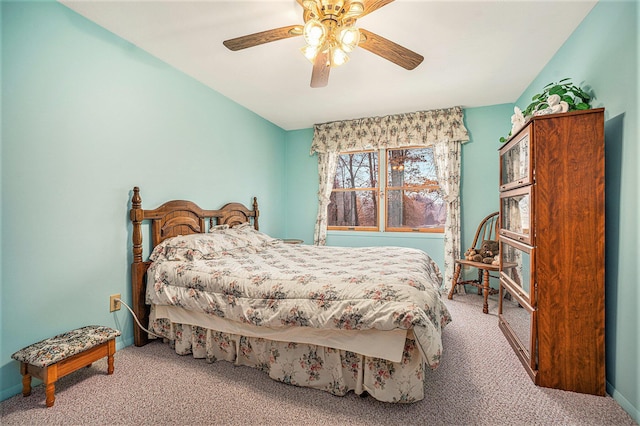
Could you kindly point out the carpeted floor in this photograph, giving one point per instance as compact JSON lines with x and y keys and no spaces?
{"x":480,"y":381}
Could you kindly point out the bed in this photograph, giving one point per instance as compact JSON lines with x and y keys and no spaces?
{"x":367,"y":320}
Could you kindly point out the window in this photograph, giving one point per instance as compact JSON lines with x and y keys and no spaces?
{"x":413,"y":197}
{"x":354,"y":199}
{"x":405,"y":198}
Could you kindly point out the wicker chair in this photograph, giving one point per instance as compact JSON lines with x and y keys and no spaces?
{"x":487,"y":230}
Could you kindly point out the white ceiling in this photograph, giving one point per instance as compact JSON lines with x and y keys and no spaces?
{"x":476,"y":52}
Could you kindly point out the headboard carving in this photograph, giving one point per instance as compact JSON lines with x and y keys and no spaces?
{"x":177,"y":217}
{"x":192,"y":223}
{"x":181,"y":221}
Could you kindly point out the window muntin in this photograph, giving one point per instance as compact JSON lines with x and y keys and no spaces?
{"x":409,"y":199}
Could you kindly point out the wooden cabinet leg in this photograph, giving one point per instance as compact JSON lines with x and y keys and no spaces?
{"x":454,"y":283}
{"x":485,"y":291}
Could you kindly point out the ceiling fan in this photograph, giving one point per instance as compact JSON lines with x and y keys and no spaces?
{"x":330,"y":33}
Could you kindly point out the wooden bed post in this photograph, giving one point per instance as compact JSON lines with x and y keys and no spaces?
{"x":135,"y":214}
{"x":138,"y":269}
{"x":257,"y":212}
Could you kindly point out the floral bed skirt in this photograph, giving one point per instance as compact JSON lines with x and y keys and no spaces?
{"x":331,"y":370}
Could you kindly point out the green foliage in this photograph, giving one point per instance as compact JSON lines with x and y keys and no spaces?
{"x":574,"y":96}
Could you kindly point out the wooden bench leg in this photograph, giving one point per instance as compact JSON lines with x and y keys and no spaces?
{"x":49,"y":377}
{"x":454,"y":283}
{"x":49,"y":391}
{"x":26,"y":379}
{"x":111,"y":349}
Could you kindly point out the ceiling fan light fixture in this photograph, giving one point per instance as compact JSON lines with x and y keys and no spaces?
{"x":349,"y":38}
{"x":338,"y":57}
{"x":314,"y":32}
{"x":311,"y":6}
{"x":356,"y":9}
{"x":310,"y":52}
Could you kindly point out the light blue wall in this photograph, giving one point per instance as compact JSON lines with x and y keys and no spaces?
{"x":301,"y":186}
{"x":603,"y":53}
{"x":87,"y":116}
{"x":481,"y":166}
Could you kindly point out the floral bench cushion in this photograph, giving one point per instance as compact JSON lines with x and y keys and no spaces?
{"x":65,"y":345}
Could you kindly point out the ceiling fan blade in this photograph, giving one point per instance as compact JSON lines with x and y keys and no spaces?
{"x":389,"y":50}
{"x":321,"y":68}
{"x":256,"y":39}
{"x":372,"y":5}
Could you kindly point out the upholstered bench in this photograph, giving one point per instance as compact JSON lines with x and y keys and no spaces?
{"x":63,"y":354}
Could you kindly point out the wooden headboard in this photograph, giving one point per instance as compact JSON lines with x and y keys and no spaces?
{"x":173,"y":218}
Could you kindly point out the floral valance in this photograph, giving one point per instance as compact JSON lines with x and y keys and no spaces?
{"x":422,"y":128}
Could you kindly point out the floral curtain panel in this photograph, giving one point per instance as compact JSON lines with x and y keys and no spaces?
{"x":327,"y":165}
{"x":443,"y":128}
{"x":447,"y":157}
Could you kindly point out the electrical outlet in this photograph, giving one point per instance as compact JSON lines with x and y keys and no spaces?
{"x":114,"y":305}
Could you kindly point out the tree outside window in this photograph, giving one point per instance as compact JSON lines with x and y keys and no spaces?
{"x":411,"y":199}
{"x":354,"y":199}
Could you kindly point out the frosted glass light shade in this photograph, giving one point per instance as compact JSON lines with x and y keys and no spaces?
{"x":314,"y":32}
{"x":310,"y":52}
{"x":349,"y":38}
{"x":338,"y":57}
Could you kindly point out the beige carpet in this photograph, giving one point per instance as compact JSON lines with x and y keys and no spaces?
{"x":480,"y":381}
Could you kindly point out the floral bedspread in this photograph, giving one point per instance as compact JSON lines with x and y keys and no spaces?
{"x":246,"y":276}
